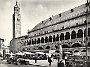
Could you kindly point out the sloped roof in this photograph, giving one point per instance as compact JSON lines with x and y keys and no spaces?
{"x":53,"y":19}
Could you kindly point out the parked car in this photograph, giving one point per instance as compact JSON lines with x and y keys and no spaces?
{"x":10,"y":60}
{"x":22,"y":61}
{"x":18,"y":59}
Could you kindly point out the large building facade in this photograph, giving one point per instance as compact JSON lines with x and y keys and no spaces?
{"x":67,"y":29}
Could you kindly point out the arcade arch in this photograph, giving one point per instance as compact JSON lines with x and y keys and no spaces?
{"x":65,"y":46}
{"x":73,"y":35}
{"x":62,"y":36}
{"x":76,"y":45}
{"x":67,"y":36}
{"x":42,"y":40}
{"x":50,"y":38}
{"x":57,"y":38}
{"x":46,"y":39}
{"x":38,"y":41}
{"x":80,"y":33}
{"x":29,"y":42}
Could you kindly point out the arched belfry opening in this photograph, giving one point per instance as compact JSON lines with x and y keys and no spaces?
{"x":62,"y":36}
{"x":80,"y":33}
{"x":67,"y":36}
{"x":76,"y":45}
{"x":73,"y":35}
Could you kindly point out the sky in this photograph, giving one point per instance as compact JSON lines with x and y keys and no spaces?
{"x":32,"y":12}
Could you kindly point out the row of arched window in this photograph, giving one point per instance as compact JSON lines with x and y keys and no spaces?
{"x":60,"y":37}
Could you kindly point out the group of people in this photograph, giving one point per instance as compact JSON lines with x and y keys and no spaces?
{"x":62,"y":61}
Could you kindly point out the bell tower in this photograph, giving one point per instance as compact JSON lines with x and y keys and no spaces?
{"x":16,"y":21}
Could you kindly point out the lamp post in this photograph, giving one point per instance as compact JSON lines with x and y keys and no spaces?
{"x":60,"y":64}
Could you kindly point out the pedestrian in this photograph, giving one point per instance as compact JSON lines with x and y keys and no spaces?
{"x":49,"y":60}
{"x":35,"y":59}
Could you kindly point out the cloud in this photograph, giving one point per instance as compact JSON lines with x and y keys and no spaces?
{"x":40,"y":9}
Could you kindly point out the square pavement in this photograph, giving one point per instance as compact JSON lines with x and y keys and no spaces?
{"x":44,"y":63}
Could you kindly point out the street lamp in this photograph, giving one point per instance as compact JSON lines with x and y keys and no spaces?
{"x":60,"y":64}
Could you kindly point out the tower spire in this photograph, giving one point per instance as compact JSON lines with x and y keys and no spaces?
{"x":16,"y":2}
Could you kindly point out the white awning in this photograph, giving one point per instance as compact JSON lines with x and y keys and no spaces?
{"x":40,"y":53}
{"x":20,"y":53}
{"x":28,"y":53}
